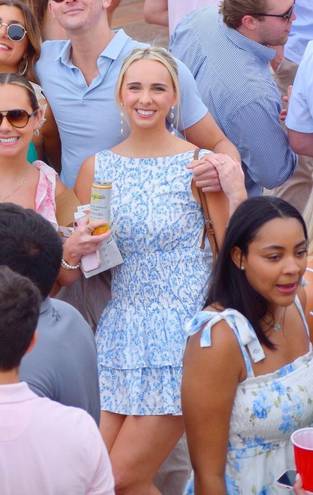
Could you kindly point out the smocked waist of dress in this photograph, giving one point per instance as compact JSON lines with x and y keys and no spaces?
{"x":160,"y":269}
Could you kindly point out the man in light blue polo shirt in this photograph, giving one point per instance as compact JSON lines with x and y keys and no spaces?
{"x":79,"y":76}
{"x":229,"y":57}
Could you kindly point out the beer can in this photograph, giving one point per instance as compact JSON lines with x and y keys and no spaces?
{"x":100,"y":206}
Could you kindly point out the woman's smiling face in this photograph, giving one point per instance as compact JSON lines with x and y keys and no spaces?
{"x":16,"y":140}
{"x":11,"y":52}
{"x":147,"y":94}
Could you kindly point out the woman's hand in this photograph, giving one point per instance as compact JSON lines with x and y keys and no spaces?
{"x":82,"y":241}
{"x":298,"y":487}
{"x":232,"y":180}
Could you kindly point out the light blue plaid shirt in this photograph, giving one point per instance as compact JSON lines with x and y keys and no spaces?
{"x":235,"y":83}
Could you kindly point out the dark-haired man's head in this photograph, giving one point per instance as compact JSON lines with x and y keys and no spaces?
{"x":29,"y":246}
{"x":19,"y":312}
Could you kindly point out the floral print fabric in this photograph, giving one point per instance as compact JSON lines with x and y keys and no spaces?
{"x":45,"y":194}
{"x":266,"y":410}
{"x":162,"y":282}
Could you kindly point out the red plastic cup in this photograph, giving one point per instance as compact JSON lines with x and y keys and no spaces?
{"x":302,"y":441}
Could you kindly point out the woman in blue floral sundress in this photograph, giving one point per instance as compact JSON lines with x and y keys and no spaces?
{"x":248,"y":367}
{"x":158,"y":227}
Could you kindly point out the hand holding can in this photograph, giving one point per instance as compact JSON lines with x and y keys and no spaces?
{"x":100,"y":206}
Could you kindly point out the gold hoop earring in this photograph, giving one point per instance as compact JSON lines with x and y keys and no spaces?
{"x":22,"y":70}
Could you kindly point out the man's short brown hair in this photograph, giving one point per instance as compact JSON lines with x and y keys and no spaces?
{"x":234,"y":10}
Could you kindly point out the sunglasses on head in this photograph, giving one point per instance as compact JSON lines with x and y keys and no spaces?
{"x":15,"y":32}
{"x":17,"y":118}
{"x":286,"y":16}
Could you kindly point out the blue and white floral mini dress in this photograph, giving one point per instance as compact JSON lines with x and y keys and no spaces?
{"x":266,"y":410}
{"x":161,"y":284}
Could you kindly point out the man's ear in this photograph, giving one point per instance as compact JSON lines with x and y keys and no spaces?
{"x":249,"y":22}
{"x":237,"y":257}
{"x":106,"y":3}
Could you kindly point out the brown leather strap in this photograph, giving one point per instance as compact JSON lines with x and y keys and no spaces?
{"x":208,"y":229}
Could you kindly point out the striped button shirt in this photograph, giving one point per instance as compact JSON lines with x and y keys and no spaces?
{"x":235,"y":82}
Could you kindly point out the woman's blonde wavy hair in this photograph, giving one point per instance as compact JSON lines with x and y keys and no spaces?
{"x":157,"y":54}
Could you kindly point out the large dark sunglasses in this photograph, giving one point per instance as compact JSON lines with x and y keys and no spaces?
{"x":17,"y":118}
{"x":286,"y":16}
{"x":15,"y":32}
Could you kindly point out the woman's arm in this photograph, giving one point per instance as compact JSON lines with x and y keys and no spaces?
{"x":81,"y":242}
{"x":232,"y":181}
{"x":210,"y":379}
{"x":85,"y":179}
{"x":59,"y":187}
{"x":221,"y":205}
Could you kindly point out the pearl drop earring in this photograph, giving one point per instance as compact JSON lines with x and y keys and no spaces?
{"x":171,"y":120}
{"x":122,"y":122}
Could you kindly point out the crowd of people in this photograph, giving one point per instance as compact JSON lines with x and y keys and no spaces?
{"x":196,"y":345}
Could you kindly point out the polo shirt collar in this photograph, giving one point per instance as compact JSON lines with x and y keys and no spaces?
{"x":112,"y":50}
{"x":45,"y":305}
{"x":16,"y":392}
{"x":246,"y":44}
{"x":116,"y":45}
{"x":65,"y":54}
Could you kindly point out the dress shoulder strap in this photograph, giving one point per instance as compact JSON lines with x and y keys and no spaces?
{"x":250,"y":346}
{"x":301,"y":312}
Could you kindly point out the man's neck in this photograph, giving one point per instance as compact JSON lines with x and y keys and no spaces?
{"x":9,"y":377}
{"x":86,"y":50}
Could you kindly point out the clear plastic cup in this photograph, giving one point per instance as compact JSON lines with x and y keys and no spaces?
{"x":302,"y":441}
